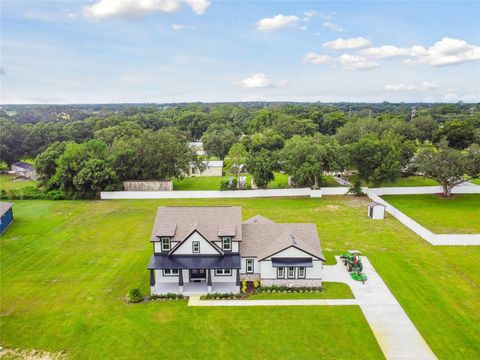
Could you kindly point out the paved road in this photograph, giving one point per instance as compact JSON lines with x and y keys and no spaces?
{"x":393,"y":329}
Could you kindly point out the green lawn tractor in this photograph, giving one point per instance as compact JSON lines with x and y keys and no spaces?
{"x":351,"y":259}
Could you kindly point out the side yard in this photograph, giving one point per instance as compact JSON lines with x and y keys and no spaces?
{"x":459,"y":214}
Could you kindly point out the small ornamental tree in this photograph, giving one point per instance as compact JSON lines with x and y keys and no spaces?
{"x":448,"y":166}
{"x":135,"y":295}
{"x":261,"y":166}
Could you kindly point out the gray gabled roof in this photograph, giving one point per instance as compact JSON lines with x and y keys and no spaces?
{"x":207,"y":220}
{"x":4,"y":207}
{"x":265,"y":238}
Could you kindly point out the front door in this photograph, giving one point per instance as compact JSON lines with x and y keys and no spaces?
{"x":197,"y":274}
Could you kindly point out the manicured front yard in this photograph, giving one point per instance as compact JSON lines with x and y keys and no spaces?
{"x":459,"y":214}
{"x":331,"y":290}
{"x":67,"y":265}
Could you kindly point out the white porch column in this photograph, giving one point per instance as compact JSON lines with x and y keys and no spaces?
{"x":209,"y":281}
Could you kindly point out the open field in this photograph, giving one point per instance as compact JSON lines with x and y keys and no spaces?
{"x":331,"y":290}
{"x":66,"y":266}
{"x":458,"y":215}
{"x":7,"y":182}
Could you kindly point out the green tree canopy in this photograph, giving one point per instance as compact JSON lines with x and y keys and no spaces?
{"x":218,"y":139}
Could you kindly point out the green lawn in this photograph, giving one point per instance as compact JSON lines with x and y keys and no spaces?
{"x":400,"y":182}
{"x":7,"y":182}
{"x":459,"y":214}
{"x":66,"y":266}
{"x":331,"y":290}
{"x":475,"y":181}
{"x":213,"y":182}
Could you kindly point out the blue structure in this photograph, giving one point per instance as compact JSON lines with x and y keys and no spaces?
{"x":6,"y":216}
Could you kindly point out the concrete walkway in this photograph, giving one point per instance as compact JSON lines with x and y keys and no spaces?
{"x":397,"y":336}
{"x":195,"y":301}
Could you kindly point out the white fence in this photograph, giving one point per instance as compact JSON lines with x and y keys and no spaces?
{"x":210,"y":194}
{"x":415,"y":190}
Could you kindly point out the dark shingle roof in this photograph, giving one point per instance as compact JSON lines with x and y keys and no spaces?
{"x":164,"y":261}
{"x":207,"y":220}
{"x":24,"y":165}
{"x":4,"y":207}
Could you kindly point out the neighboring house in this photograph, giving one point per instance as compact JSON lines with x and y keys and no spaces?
{"x":23,"y":169}
{"x":209,"y":249}
{"x":212,"y":168}
{"x":198,"y":147}
{"x":6,"y":215}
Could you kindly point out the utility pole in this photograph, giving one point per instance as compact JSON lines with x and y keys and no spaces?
{"x":369,"y":113}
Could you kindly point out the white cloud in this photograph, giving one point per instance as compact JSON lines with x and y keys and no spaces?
{"x":198,"y":6}
{"x":333,"y":27}
{"x":385,"y":51}
{"x":303,"y":27}
{"x":447,"y":51}
{"x":277,"y":22}
{"x":314,"y":58}
{"x":344,"y":44}
{"x":426,"y":85}
{"x":101,"y":9}
{"x":178,"y":27}
{"x":355,"y":62}
{"x":259,"y":80}
{"x":310,"y":13}
{"x":254,"y":81}
{"x":316,"y":33}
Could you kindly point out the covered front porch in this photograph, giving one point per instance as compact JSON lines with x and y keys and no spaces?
{"x":194,"y":274}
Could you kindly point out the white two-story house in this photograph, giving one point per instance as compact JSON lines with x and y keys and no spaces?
{"x":209,"y":249}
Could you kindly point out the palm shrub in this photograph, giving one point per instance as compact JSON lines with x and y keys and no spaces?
{"x":135,"y":295}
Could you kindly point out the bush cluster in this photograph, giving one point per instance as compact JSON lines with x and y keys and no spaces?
{"x":281,"y":288}
{"x":32,"y":193}
{"x":230,"y":184}
{"x":168,"y":296}
{"x":224,"y":296}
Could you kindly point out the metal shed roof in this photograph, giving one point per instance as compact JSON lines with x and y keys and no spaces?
{"x":163,"y":261}
{"x":281,"y":262}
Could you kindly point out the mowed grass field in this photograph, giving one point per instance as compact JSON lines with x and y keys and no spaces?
{"x":66,"y":266}
{"x":458,"y":215}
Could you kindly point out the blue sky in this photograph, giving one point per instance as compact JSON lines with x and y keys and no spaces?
{"x":198,"y":50}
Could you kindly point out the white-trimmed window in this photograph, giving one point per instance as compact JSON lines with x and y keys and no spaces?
{"x":291,"y":272}
{"x":223,"y":272}
{"x":249,"y":266}
{"x":280,"y":272}
{"x":301,"y":272}
{"x":227,"y":243}
{"x":165,"y":243}
{"x":170,"y":272}
{"x":196,"y":247}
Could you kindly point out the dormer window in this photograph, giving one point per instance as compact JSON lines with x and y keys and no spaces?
{"x":227,"y":243}
{"x":165,"y":243}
